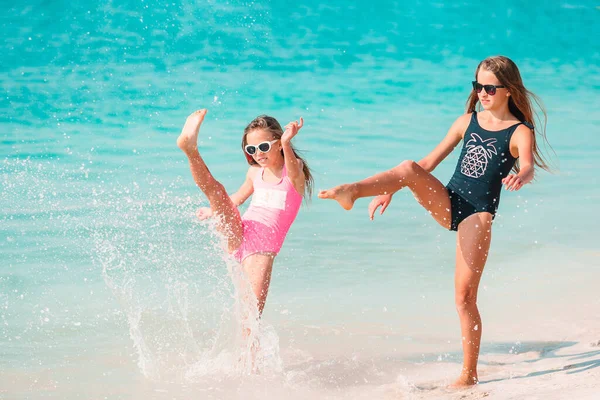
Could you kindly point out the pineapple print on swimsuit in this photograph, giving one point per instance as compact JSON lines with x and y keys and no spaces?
{"x":479,"y":151}
{"x":484,"y":161}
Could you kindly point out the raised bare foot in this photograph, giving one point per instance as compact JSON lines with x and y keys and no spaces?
{"x":188,"y":140}
{"x":343,"y":194}
{"x":464,"y":381}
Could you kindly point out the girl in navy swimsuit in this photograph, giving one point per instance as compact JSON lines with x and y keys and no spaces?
{"x":499,"y":148}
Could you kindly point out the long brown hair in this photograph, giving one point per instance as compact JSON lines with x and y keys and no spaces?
{"x":519,"y":102}
{"x":271,"y":125}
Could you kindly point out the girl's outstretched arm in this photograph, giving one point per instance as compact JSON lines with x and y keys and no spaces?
{"x":521,"y":143}
{"x":431,"y":161}
{"x":292,"y":164}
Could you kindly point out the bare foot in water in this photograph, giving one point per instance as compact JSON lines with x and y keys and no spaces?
{"x":343,"y":194}
{"x":464,"y":381}
{"x":188,"y":140}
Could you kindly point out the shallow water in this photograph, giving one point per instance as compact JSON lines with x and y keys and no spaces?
{"x":94,"y":97}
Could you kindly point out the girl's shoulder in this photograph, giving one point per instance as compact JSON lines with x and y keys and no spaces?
{"x":465,"y":118}
{"x":523,"y":131}
{"x":252,"y":171}
{"x":460,"y":125}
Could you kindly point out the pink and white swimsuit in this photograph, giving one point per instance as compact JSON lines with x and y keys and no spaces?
{"x":272,"y":211}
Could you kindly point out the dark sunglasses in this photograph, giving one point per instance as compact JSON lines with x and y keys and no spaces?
{"x":264,"y":147}
{"x":489,"y":89}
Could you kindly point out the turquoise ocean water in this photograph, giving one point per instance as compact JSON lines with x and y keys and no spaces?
{"x":109,"y":288}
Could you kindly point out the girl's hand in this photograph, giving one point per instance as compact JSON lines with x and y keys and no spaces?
{"x":383,"y":200}
{"x":204,"y":213}
{"x":291,"y":130}
{"x":512,"y":182}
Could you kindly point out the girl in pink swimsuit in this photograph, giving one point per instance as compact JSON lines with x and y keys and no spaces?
{"x":278,"y":179}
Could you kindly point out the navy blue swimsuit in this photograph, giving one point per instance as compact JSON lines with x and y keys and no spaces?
{"x":484,"y":161}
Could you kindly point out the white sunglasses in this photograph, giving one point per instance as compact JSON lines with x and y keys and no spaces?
{"x":263,"y":147}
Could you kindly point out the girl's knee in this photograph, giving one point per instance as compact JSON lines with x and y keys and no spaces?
{"x":465,"y":299}
{"x":218,"y":187}
{"x":406,"y":167}
{"x":216,"y":194}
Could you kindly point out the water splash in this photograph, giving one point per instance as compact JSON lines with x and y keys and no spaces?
{"x":186,"y":303}
{"x":190,"y":310}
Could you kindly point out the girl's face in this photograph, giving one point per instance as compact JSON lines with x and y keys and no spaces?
{"x":256,"y":142}
{"x":491,"y":101}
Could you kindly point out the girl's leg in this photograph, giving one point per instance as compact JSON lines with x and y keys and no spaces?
{"x":230,"y":222}
{"x":428,"y":190}
{"x":258,"y":268}
{"x":472,"y":246}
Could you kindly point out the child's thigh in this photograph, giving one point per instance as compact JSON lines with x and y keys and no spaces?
{"x":432,"y":195}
